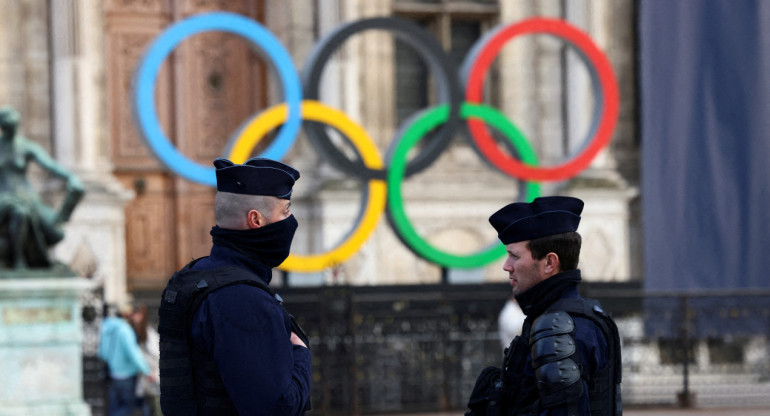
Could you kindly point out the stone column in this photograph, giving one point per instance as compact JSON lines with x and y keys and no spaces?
{"x":548,"y":95}
{"x":94,"y":245}
{"x":531,"y":82}
{"x":609,"y":185}
{"x":24,"y":70}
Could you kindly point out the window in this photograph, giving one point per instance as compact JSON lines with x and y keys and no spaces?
{"x":457,"y":25}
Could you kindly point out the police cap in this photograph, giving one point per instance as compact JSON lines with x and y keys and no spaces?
{"x":522,"y":221}
{"x":256,"y":176}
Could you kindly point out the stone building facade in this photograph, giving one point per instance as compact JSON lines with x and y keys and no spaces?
{"x":68,"y":67}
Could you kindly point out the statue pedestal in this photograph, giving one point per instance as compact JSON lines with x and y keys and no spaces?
{"x":41,"y":370}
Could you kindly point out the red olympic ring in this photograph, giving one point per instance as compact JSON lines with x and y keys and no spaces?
{"x":607,"y":80}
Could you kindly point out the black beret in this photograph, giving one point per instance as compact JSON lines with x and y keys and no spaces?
{"x":256,"y":176}
{"x":522,"y":221}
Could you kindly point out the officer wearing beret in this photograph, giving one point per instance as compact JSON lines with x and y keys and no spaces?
{"x":228,"y":346}
{"x":567,"y":359}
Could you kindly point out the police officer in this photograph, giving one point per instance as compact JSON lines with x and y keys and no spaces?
{"x":567,"y":359}
{"x":228,"y":346}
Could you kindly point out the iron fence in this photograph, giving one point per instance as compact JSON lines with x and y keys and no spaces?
{"x":406,"y":349}
{"x":94,"y":370}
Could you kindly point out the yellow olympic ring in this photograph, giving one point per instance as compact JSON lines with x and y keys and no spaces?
{"x":273,"y":117}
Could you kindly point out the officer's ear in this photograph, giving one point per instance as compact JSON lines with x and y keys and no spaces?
{"x":551,"y":264}
{"x":255,"y":219}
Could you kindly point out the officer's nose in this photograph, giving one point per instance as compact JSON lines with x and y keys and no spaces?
{"x":508,"y":265}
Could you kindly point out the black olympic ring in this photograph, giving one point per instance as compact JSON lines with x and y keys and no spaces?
{"x":435,"y":58}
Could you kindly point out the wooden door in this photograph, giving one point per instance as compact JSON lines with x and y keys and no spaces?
{"x":206,"y":88}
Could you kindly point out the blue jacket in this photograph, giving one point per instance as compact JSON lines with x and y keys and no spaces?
{"x":246,"y":333}
{"x":119,"y":348}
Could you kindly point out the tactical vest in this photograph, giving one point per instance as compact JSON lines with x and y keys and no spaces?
{"x":521,"y":397}
{"x":179,"y":393}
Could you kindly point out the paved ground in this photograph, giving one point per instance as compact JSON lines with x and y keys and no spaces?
{"x":658,"y":412}
{"x":699,"y":412}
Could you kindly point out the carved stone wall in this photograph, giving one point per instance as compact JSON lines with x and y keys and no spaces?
{"x":201,"y":101}
{"x":69,"y":69}
{"x":610,"y":185}
{"x":208,"y":86}
{"x":94,"y":243}
{"x":50,"y":69}
{"x":449,"y":202}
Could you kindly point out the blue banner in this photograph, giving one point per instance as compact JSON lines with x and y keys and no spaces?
{"x":705,"y":133}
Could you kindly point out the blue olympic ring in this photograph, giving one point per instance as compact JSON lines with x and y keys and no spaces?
{"x":147,"y":74}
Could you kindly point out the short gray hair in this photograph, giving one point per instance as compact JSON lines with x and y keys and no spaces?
{"x":230,"y":209}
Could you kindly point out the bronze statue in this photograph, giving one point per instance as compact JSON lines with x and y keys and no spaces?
{"x":28,"y":227}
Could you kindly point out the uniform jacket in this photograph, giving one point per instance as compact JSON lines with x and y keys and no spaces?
{"x":246,"y":332}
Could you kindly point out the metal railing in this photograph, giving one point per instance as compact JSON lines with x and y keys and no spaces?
{"x":404,"y":349}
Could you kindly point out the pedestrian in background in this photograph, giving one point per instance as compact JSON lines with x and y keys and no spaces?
{"x":509,"y":322}
{"x":147,"y":386}
{"x":119,"y":349}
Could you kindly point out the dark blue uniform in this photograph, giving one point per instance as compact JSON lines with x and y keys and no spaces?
{"x":516,"y":389}
{"x":246,"y":332}
{"x":592,"y":352}
{"x":566,"y":362}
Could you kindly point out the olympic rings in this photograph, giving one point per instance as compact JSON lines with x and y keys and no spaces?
{"x":375,"y":204}
{"x":449,"y":114}
{"x":414,"y":133}
{"x":147,"y":74}
{"x":480,"y":59}
{"x":449,"y":91}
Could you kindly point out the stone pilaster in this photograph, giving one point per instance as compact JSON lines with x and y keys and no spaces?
{"x":95,"y":236}
{"x":24,"y":71}
{"x":610,"y":185}
{"x":536,"y":79}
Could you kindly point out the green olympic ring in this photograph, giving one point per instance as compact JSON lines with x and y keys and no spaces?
{"x":415,"y":132}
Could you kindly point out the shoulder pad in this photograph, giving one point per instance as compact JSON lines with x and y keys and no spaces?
{"x":552,"y":350}
{"x":557,"y":375}
{"x":551,"y":323}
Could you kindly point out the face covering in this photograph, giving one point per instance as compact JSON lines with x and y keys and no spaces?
{"x":269,"y":245}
